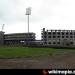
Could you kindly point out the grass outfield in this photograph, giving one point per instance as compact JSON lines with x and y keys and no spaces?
{"x":27,"y":51}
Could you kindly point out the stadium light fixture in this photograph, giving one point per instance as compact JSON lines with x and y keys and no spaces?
{"x":28,"y":12}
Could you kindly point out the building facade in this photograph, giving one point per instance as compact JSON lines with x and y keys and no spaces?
{"x":58,"y":38}
{"x":1,"y":38}
{"x":16,"y":38}
{"x":51,"y":38}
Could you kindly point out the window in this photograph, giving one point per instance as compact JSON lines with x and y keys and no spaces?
{"x":71,"y":36}
{"x":45,"y":33}
{"x":58,"y":33}
{"x":67,"y":33}
{"x":49,"y":42}
{"x":58,"y":42}
{"x":58,"y":36}
{"x":71,"y":33}
{"x":71,"y":42}
{"x":62,"y":36}
{"x":49,"y":33}
{"x":62,"y":33}
{"x":44,"y":36}
{"x":53,"y":36}
{"x":49,"y":36}
{"x":54,"y":42}
{"x":67,"y":44}
{"x":45,"y":42}
{"x":66,"y":36}
{"x":53,"y":33}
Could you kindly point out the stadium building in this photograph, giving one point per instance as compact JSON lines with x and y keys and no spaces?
{"x":51,"y":38}
{"x":58,"y":38}
{"x":16,"y":38}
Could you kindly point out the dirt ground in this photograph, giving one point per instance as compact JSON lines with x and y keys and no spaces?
{"x":63,"y":61}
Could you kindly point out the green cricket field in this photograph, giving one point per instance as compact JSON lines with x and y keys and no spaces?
{"x":6,"y":51}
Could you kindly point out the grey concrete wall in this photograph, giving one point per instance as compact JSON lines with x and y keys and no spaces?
{"x":58,"y":37}
{"x":1,"y":38}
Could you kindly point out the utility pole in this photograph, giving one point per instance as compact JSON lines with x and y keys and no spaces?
{"x":28,"y":12}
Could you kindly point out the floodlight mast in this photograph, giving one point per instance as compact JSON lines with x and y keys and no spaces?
{"x":28,"y":12}
{"x":3,"y":27}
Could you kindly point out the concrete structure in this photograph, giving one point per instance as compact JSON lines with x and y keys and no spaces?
{"x":58,"y":38}
{"x":51,"y":38}
{"x":16,"y":38}
{"x":1,"y":38}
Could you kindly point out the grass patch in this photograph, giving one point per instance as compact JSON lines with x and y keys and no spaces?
{"x":27,"y":51}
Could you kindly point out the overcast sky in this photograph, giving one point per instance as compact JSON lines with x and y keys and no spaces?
{"x":49,"y":14}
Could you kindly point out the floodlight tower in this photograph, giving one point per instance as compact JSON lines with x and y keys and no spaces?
{"x":28,"y":12}
{"x":3,"y":27}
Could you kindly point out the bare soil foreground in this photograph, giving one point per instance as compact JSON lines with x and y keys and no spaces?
{"x":62,"y":61}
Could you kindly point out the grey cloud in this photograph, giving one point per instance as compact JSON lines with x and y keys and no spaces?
{"x":14,"y":10}
{"x":43,"y":12}
{"x":47,"y":9}
{"x":6,"y":10}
